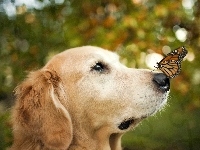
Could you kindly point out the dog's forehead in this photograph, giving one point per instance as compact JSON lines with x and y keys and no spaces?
{"x":103,"y":55}
{"x":87,"y":55}
{"x":93,"y":53}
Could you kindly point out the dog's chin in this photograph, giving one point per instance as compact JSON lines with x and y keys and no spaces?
{"x":133,"y":122}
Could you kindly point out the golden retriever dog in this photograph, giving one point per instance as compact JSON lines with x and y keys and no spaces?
{"x":84,"y":99}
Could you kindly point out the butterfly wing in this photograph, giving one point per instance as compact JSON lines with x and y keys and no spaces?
{"x":170,"y":65}
{"x":170,"y":69}
{"x":181,"y":52}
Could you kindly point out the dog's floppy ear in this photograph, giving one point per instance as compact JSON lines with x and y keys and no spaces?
{"x":40,"y":114}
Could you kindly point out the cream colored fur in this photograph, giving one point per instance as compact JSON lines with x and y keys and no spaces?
{"x":69,"y":105}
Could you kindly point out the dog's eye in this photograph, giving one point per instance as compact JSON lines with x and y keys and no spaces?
{"x":98,"y":67}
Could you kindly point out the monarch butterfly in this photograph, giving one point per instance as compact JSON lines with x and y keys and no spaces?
{"x":170,"y":65}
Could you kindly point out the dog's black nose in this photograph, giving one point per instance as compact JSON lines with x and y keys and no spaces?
{"x":162,"y":81}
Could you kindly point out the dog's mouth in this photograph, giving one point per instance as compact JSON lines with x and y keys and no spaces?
{"x":130,"y":122}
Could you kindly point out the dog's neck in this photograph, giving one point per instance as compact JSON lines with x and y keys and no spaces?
{"x":97,"y":140}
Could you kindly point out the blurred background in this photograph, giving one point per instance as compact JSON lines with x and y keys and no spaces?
{"x":140,"y":31}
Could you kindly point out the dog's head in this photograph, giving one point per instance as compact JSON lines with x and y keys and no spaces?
{"x":89,"y":96}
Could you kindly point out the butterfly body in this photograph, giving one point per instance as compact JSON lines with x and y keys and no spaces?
{"x":170,"y":65}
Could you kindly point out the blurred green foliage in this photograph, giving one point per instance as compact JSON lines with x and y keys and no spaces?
{"x":31,"y":33}
{"x":5,"y":131}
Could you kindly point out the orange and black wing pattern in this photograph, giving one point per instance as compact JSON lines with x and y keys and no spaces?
{"x":170,"y":65}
